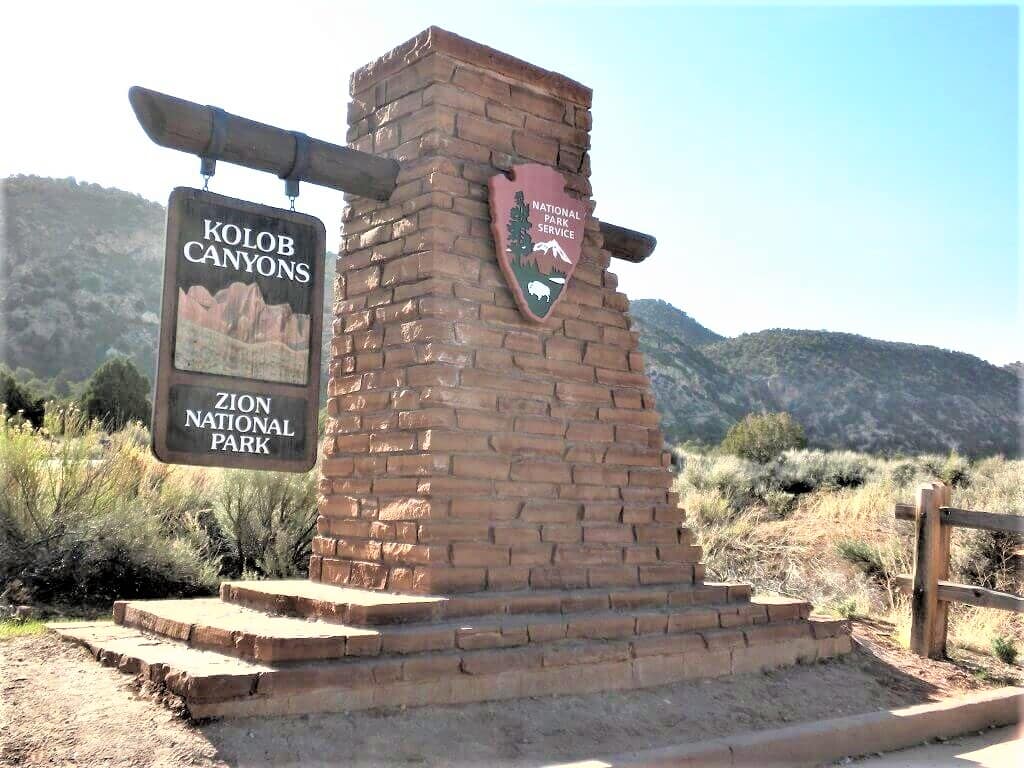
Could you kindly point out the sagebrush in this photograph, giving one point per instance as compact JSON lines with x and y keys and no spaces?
{"x":87,"y":517}
{"x":820,"y":525}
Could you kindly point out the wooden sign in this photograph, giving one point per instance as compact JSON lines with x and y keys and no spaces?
{"x":538,"y":231}
{"x":238,"y":374}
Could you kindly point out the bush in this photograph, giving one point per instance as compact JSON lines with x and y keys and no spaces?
{"x":1005,"y":649}
{"x":763,"y":437}
{"x":78,"y":524}
{"x":268,"y":519}
{"x":18,"y":402}
{"x":863,"y":555}
{"x":116,"y":394}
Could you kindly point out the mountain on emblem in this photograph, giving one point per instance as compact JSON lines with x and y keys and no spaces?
{"x":538,"y":231}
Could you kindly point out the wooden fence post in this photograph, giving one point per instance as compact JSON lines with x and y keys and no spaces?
{"x":942,"y":496}
{"x":931,"y":563}
{"x":924,"y":598}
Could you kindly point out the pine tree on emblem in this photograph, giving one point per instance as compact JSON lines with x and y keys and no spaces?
{"x":519,"y":241}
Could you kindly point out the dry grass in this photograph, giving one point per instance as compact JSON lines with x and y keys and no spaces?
{"x":820,"y":525}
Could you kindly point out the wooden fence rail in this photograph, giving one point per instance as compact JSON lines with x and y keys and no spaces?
{"x":928,"y":586}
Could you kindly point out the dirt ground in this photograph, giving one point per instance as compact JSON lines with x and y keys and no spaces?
{"x":59,"y":707}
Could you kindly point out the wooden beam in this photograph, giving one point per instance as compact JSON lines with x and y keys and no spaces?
{"x":982,"y":597}
{"x":627,"y":244}
{"x":904,"y":511}
{"x":188,"y":127}
{"x":985,"y":521}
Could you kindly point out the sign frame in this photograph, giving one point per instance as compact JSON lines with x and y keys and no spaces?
{"x":169,"y":378}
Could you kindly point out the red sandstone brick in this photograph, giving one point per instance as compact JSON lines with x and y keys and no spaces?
{"x":550,"y":512}
{"x":358,"y":549}
{"x":558,"y":577}
{"x":526,"y":444}
{"x":666,"y":574}
{"x":562,"y":533}
{"x":573,"y":392}
{"x":541,"y":471}
{"x":593,"y":432}
{"x":533,"y":147}
{"x":490,"y":467}
{"x":508,"y":578}
{"x":601,"y":627}
{"x":494,"y":662}
{"x":531,"y":554}
{"x":431,"y":667}
{"x":516,"y":535}
{"x":474,"y":554}
{"x":444,"y":580}
{"x":411,"y":508}
{"x":612,"y":576}
{"x":667,"y":645}
{"x":485,"y":508}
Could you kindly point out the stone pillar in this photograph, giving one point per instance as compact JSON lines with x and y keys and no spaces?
{"x":468,"y":449}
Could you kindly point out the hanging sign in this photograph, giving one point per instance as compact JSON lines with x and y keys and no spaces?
{"x":538,"y":231}
{"x":238,"y":373}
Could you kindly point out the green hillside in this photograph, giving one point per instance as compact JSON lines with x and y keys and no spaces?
{"x":81,"y":273}
{"x":80,"y":276}
{"x":847,"y":390}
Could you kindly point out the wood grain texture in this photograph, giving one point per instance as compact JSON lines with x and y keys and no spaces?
{"x":186,"y":126}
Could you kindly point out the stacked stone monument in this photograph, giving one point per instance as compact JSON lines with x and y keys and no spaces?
{"x":496,"y":517}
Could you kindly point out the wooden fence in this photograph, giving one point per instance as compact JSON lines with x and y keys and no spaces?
{"x":930,"y":590}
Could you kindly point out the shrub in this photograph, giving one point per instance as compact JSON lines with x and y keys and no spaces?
{"x":805,"y":471}
{"x":77,"y":524}
{"x":18,"y":402}
{"x":863,"y":555}
{"x":116,"y":394}
{"x":956,"y":471}
{"x":1004,"y":648}
{"x":268,"y":519}
{"x":764,"y":436}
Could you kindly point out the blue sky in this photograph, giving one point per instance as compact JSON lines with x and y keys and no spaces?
{"x":848,"y":168}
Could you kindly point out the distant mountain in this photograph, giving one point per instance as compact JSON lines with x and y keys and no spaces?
{"x":847,"y":390}
{"x":660,"y":317}
{"x":80,"y":276}
{"x":81,"y":272}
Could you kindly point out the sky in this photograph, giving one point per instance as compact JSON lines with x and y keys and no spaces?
{"x":840,"y":167}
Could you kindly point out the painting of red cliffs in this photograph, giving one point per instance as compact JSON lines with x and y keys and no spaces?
{"x":234,"y":332}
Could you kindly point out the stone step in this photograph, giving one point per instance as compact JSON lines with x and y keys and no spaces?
{"x":247,"y":633}
{"x":211,"y":624}
{"x":361,"y":607}
{"x":302,"y":597}
{"x":216,"y":685}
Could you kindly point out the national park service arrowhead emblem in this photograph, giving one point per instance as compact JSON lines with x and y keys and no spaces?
{"x":538,"y":232}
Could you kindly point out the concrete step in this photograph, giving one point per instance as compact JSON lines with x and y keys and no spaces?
{"x":212,"y":684}
{"x":362,"y":607}
{"x":248,"y":633}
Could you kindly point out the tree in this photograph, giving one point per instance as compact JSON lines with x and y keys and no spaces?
{"x":117,"y":394}
{"x":19,"y":401}
{"x":762,"y":437}
{"x":519,"y":240}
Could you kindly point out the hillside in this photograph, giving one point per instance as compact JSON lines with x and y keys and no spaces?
{"x":80,"y":276}
{"x":81,"y":273}
{"x":80,"y":279}
{"x":847,"y":390}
